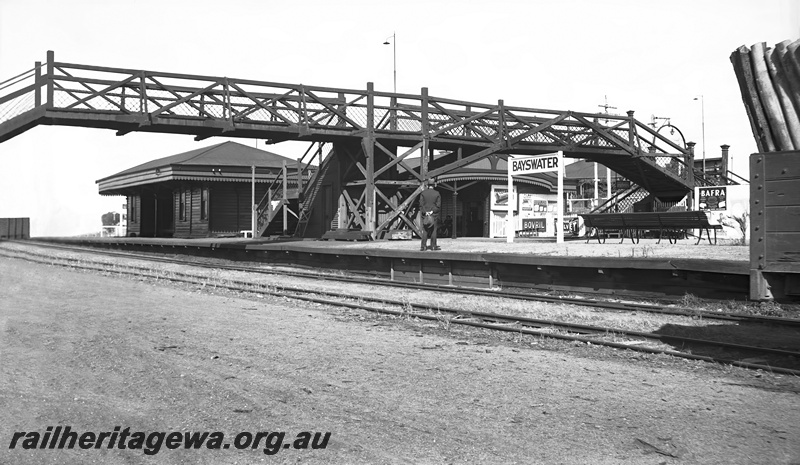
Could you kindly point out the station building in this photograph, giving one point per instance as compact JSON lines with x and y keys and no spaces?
{"x":205,"y":192}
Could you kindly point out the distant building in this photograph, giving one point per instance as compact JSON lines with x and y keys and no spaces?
{"x":205,"y":192}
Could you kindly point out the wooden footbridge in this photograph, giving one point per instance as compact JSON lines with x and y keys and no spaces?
{"x":360,"y":139}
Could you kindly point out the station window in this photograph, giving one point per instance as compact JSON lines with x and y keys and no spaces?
{"x":182,"y":207}
{"x":204,"y":204}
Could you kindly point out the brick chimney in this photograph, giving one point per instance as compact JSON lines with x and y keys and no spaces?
{"x":724,"y":167}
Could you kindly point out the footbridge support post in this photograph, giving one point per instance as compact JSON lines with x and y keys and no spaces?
{"x":690,"y":173}
{"x":425,"y":157}
{"x":368,"y":144}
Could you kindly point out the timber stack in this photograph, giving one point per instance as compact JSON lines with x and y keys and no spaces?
{"x":769,"y":79}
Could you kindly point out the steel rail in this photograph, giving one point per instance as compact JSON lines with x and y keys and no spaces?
{"x":303,"y":295}
{"x":539,"y":323}
{"x":594,"y":303}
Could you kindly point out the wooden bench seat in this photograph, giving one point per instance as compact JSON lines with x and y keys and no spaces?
{"x":672,"y":224}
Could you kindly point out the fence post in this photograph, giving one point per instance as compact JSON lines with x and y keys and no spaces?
{"x":37,"y":82}
{"x":142,"y":93}
{"x":501,"y":125}
{"x":50,"y":76}
{"x":631,"y":129}
{"x":393,"y":113}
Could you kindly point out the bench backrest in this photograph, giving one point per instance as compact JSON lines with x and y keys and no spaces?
{"x":687,"y":219}
{"x":602,"y":220}
{"x":647,"y":220}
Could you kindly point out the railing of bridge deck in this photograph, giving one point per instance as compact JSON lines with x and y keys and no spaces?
{"x":147,"y":97}
{"x":22,"y":93}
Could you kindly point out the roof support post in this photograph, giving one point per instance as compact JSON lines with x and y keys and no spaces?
{"x":285,"y":200}
{"x":253,"y":204}
{"x":300,"y":187}
{"x":455,"y":207}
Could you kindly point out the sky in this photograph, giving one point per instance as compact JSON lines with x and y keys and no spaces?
{"x":655,"y":58}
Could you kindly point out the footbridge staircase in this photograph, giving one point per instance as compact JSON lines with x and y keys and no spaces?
{"x":295,"y":199}
{"x":371,"y":133}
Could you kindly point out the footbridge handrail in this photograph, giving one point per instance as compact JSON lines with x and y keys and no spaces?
{"x":138,"y":100}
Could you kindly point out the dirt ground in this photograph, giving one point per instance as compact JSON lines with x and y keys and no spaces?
{"x":96,"y":351}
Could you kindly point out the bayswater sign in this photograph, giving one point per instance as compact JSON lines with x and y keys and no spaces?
{"x":536,"y":164}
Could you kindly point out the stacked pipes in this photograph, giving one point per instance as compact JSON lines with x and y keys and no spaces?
{"x":769,"y":79}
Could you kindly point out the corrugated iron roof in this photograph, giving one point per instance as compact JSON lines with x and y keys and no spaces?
{"x":224,"y":154}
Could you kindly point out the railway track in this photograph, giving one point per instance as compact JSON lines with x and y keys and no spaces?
{"x":781,"y":360}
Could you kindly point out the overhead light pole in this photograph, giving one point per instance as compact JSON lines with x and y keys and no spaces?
{"x":394,"y":57}
{"x":703,"y":128}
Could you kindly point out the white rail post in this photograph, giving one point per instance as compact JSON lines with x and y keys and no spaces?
{"x":253,"y":201}
{"x":510,"y":210}
{"x":560,"y":203}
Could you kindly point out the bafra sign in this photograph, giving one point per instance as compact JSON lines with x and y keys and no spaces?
{"x":536,"y":164}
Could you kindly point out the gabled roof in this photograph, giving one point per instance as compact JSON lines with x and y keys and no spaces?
{"x":225,"y":154}
{"x":224,"y":162}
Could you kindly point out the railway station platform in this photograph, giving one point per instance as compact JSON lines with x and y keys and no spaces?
{"x":646,"y":269}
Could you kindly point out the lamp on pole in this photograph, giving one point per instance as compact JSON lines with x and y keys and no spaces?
{"x":394,"y":56}
{"x":703,"y":127}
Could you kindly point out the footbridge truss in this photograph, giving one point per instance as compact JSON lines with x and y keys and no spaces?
{"x":372,"y":133}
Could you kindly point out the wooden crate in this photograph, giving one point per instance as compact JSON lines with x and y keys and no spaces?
{"x":775,"y":225}
{"x":15,"y":228}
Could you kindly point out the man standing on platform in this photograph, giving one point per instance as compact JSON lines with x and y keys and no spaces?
{"x":430,"y":202}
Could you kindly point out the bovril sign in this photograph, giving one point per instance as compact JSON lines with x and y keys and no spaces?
{"x":538,"y":164}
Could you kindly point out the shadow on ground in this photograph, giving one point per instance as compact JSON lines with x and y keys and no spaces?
{"x":748,"y":334}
